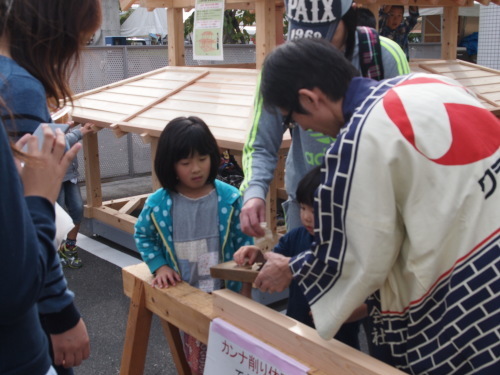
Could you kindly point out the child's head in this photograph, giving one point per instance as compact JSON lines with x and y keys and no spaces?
{"x":305,"y":196}
{"x":183,"y":138}
{"x":395,"y":16}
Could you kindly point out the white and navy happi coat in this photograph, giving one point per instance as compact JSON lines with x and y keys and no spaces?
{"x":409,"y":214}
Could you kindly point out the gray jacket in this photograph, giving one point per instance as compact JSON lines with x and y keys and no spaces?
{"x":307,"y":150}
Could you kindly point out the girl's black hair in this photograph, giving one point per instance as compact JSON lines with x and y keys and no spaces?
{"x":181,"y":138}
{"x":350,"y":22}
{"x":308,"y":185}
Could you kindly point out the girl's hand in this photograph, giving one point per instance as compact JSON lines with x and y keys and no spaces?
{"x":165,"y":276}
{"x":247,"y":255}
{"x":42,"y":175}
{"x":87,"y":128}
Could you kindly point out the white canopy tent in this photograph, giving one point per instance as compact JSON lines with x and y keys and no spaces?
{"x":142,"y":23}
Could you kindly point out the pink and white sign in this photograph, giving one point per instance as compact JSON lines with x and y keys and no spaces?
{"x":232,"y":351}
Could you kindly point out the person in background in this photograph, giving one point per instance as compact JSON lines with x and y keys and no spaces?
{"x":393,"y":25}
{"x":366,"y":18}
{"x":39,"y":50}
{"x":374,"y":57}
{"x":192,"y":222}
{"x":70,"y":198}
{"x":406,"y":213}
{"x":295,"y":242}
{"x":27,"y":197}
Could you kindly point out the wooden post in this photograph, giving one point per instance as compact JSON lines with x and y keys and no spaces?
{"x":92,"y":170}
{"x":265,"y":16}
{"x":175,"y":26}
{"x":137,"y":335}
{"x":154,"y":179}
{"x":449,"y":38}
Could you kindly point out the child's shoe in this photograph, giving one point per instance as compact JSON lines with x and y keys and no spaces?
{"x":69,"y":256}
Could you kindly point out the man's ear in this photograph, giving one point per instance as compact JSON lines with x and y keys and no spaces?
{"x":309,"y":99}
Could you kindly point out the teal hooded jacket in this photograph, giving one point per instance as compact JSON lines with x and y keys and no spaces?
{"x":153,"y":230}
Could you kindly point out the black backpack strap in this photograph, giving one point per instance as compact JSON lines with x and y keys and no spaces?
{"x":370,"y":53}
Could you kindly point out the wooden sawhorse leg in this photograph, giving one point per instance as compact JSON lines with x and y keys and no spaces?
{"x":137,"y":335}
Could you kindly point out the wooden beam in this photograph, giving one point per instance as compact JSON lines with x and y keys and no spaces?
{"x":176,"y":54}
{"x":132,"y":204}
{"x":112,"y":217}
{"x":126,"y":4}
{"x":295,"y":339}
{"x":449,"y":37}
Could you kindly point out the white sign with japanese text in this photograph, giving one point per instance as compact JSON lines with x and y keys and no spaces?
{"x":232,"y":351}
{"x":208,"y":29}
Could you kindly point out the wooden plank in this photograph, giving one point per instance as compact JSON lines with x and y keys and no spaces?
{"x":113,"y":98}
{"x":214,"y":97}
{"x":140,"y":91}
{"x":107,"y":106}
{"x":184,"y":306}
{"x":231,"y":271}
{"x":118,"y":83}
{"x":163,"y":97}
{"x":97,"y":117}
{"x":137,"y":334}
{"x":471,"y":74}
{"x":176,"y":347}
{"x":213,"y":106}
{"x":228,"y":89}
{"x":294,"y":338}
{"x":479,"y":81}
{"x":204,"y":110}
{"x":156,"y":83}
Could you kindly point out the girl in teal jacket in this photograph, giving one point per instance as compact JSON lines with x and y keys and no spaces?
{"x":191,"y":223}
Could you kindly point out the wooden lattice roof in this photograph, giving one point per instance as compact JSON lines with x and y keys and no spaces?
{"x":223,"y":98}
{"x":483,"y":81}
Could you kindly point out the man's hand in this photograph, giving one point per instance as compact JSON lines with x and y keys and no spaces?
{"x":248,"y":255}
{"x":252,"y":214}
{"x":71,"y":347}
{"x":276,"y":275}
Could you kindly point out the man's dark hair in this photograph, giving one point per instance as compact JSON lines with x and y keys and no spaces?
{"x":304,"y":64}
{"x":365,"y":17}
{"x":181,"y":138}
{"x":308,"y":185}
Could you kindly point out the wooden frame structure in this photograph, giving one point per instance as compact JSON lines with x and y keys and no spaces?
{"x":191,"y":310}
{"x":144,"y":104}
